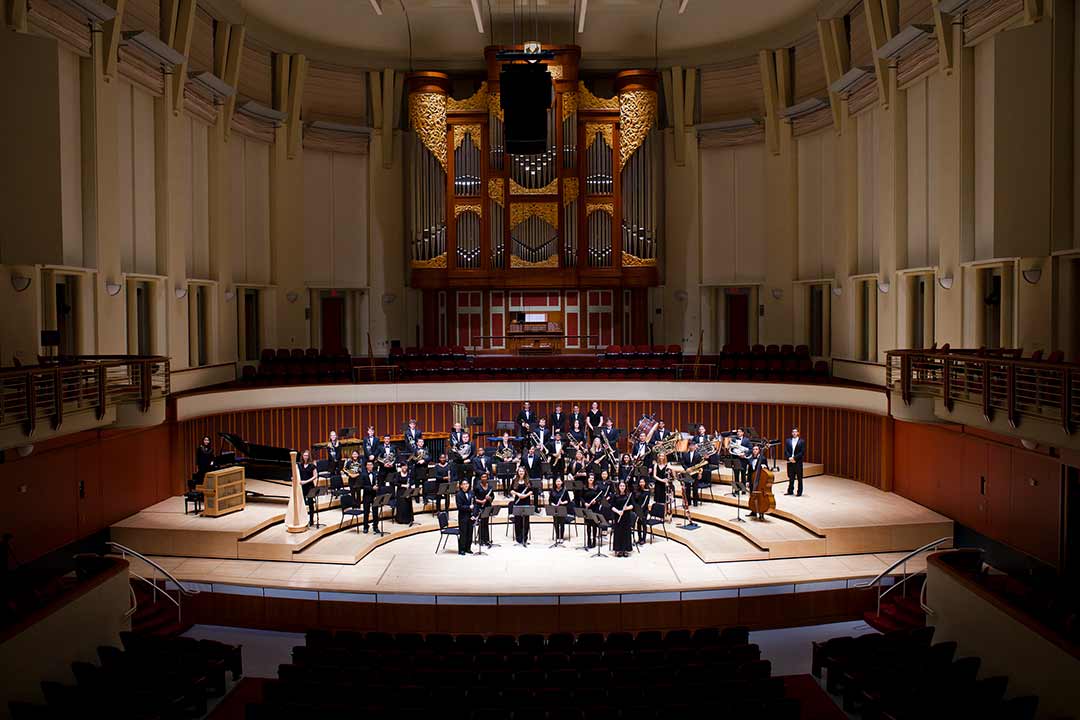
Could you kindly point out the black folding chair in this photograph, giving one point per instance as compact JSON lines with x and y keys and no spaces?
{"x":657,"y":516}
{"x":350,"y":509}
{"x":445,"y":531}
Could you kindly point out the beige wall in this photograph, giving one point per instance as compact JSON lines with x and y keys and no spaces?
{"x":969,"y":164}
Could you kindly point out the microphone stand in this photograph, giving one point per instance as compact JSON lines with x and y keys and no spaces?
{"x":738,"y":503}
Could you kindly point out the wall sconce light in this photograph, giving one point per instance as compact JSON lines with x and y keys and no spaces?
{"x":1032,"y":275}
{"x":229,"y":295}
{"x":20,"y":282}
{"x":24,"y":450}
{"x":777,"y":293}
{"x":1028,"y":444}
{"x":292,"y":296}
{"x":681,"y":295}
{"x":180,"y":292}
{"x":388,"y":298}
{"x":883,"y":286}
{"x":112,"y":289}
{"x":945,"y":281}
{"x":838,"y":291}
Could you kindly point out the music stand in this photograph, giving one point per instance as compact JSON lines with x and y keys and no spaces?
{"x":555,"y":512}
{"x":504,"y":471}
{"x":484,"y":514}
{"x":688,"y":495}
{"x":313,"y":494}
{"x":444,"y":488}
{"x":602,"y":527}
{"x":537,"y":487}
{"x":738,"y":502}
{"x":524,"y":511}
{"x":377,"y":505}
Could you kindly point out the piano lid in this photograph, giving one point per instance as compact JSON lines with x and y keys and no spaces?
{"x":254,"y":451}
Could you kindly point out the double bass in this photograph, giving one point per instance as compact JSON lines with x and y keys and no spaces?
{"x":762,"y":499}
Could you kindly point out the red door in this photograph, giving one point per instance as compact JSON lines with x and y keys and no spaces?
{"x":333,"y":325}
{"x":738,"y":309}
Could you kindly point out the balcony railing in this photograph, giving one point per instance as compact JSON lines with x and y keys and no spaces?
{"x":995,"y":382}
{"x":45,"y":393}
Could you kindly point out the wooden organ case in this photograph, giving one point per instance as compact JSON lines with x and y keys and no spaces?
{"x":584,"y":214}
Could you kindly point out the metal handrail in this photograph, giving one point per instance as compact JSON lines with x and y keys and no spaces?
{"x":933,"y":545}
{"x":125,"y":550}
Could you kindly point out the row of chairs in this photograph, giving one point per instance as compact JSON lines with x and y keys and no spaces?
{"x":661,"y":352}
{"x":621,"y":675}
{"x":284,"y":366}
{"x":902,"y":675}
{"x":150,"y":678}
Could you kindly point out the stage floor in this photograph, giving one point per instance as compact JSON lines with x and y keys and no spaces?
{"x":838,"y":531}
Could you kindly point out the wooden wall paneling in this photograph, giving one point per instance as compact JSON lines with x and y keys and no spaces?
{"x":634,"y":617}
{"x":809,"y":68}
{"x":348,"y":615}
{"x":527,"y":619}
{"x":290,"y":614}
{"x":999,"y":491}
{"x":393,"y":617}
{"x":1035,"y":506}
{"x":91,"y":498}
{"x":255,"y":73}
{"x":601,"y":617}
{"x":732,"y":90}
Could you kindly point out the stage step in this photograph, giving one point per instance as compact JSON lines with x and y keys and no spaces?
{"x":899,"y":612}
{"x":158,"y":618}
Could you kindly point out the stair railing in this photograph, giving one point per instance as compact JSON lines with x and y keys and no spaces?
{"x":883,"y":591}
{"x":183,"y":590}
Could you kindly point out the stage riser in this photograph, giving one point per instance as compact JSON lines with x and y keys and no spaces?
{"x":759,"y":612}
{"x":848,"y":443}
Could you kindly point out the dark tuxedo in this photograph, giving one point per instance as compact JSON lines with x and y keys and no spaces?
{"x":557,"y":421}
{"x":333,"y":456}
{"x":482,"y":464}
{"x":531,"y":465}
{"x":412,"y":435}
{"x":739,"y":465}
{"x":659,"y":435}
{"x":526,"y":417}
{"x":369,"y":488}
{"x":688,"y":460}
{"x":753,"y":471}
{"x":580,"y":417}
{"x":372,"y":447}
{"x":641,"y":449}
{"x":543,"y":436}
{"x":795,"y":449}
{"x":612,"y":436}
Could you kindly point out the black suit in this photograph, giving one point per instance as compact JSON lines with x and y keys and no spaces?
{"x":753,"y":471}
{"x":580,"y":417}
{"x":369,"y":487}
{"x":557,"y":422}
{"x":795,"y":469}
{"x":464,"y":502}
{"x":482,"y":464}
{"x":482,"y":498}
{"x":689,"y":459}
{"x":372,"y":447}
{"x":739,"y":465}
{"x":412,"y":435}
{"x":534,"y":473}
{"x":526,"y":417}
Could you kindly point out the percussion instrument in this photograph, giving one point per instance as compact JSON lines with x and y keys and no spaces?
{"x":646,"y":424}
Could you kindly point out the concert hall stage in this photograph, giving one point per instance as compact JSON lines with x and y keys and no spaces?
{"x":839,"y":531}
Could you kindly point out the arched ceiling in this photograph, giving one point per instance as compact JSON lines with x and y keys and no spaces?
{"x":444,"y":32}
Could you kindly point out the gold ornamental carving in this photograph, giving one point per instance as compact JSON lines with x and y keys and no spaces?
{"x":550,"y":189}
{"x":569,"y":104}
{"x":556,"y":72}
{"x":604,"y":130}
{"x":588,"y":101}
{"x":477,"y":102}
{"x":427,"y":116}
{"x":516,"y":262}
{"x":629,"y":260}
{"x":637,"y":115}
{"x":570,"y":190}
{"x":522,"y":211}
{"x":458,"y":209}
{"x":460,"y":131}
{"x":496,"y":191}
{"x":590,"y":208}
{"x":439,"y":261}
{"x":495,"y":105}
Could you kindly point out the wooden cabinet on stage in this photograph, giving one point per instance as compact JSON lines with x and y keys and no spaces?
{"x":223,"y":491}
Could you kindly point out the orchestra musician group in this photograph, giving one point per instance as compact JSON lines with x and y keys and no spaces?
{"x":566,"y":460}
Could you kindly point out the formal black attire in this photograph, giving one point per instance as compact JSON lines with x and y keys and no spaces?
{"x":369,"y":487}
{"x":335,"y":457}
{"x":204,"y":463}
{"x":521,"y":523}
{"x":660,"y":489}
{"x":482,"y":464}
{"x":559,"y":497}
{"x":588,"y":495}
{"x":403,"y":509}
{"x":482,"y":497}
{"x":440,"y":474}
{"x":579,"y":416}
{"x":419,"y":469}
{"x":308,"y":475}
{"x":659,"y":435}
{"x":622,"y":536}
{"x":596,"y":418}
{"x":612,"y":437}
{"x":795,"y":469}
{"x":372,"y":447}
{"x":689,"y":459}
{"x":640,"y":454}
{"x":557,"y":421}
{"x":557,"y":460}
{"x":738,"y":468}
{"x":412,"y":435}
{"x":526,"y":420}
{"x":464,"y":501}
{"x":642,"y":503}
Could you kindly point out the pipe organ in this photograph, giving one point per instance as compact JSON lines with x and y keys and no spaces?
{"x":583,"y":210}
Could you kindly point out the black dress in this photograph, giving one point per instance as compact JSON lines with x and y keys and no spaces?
{"x":204,"y":463}
{"x":521,"y":522}
{"x":587,"y":496}
{"x":622,"y":538}
{"x":403,"y":510}
{"x":660,"y":489}
{"x":596,"y":419}
{"x":308,"y":474}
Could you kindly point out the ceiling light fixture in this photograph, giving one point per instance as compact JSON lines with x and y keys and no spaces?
{"x":477,"y":16}
{"x":581,"y":16}
{"x":376,"y":5}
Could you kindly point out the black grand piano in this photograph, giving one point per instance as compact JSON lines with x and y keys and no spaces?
{"x":264,"y":462}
